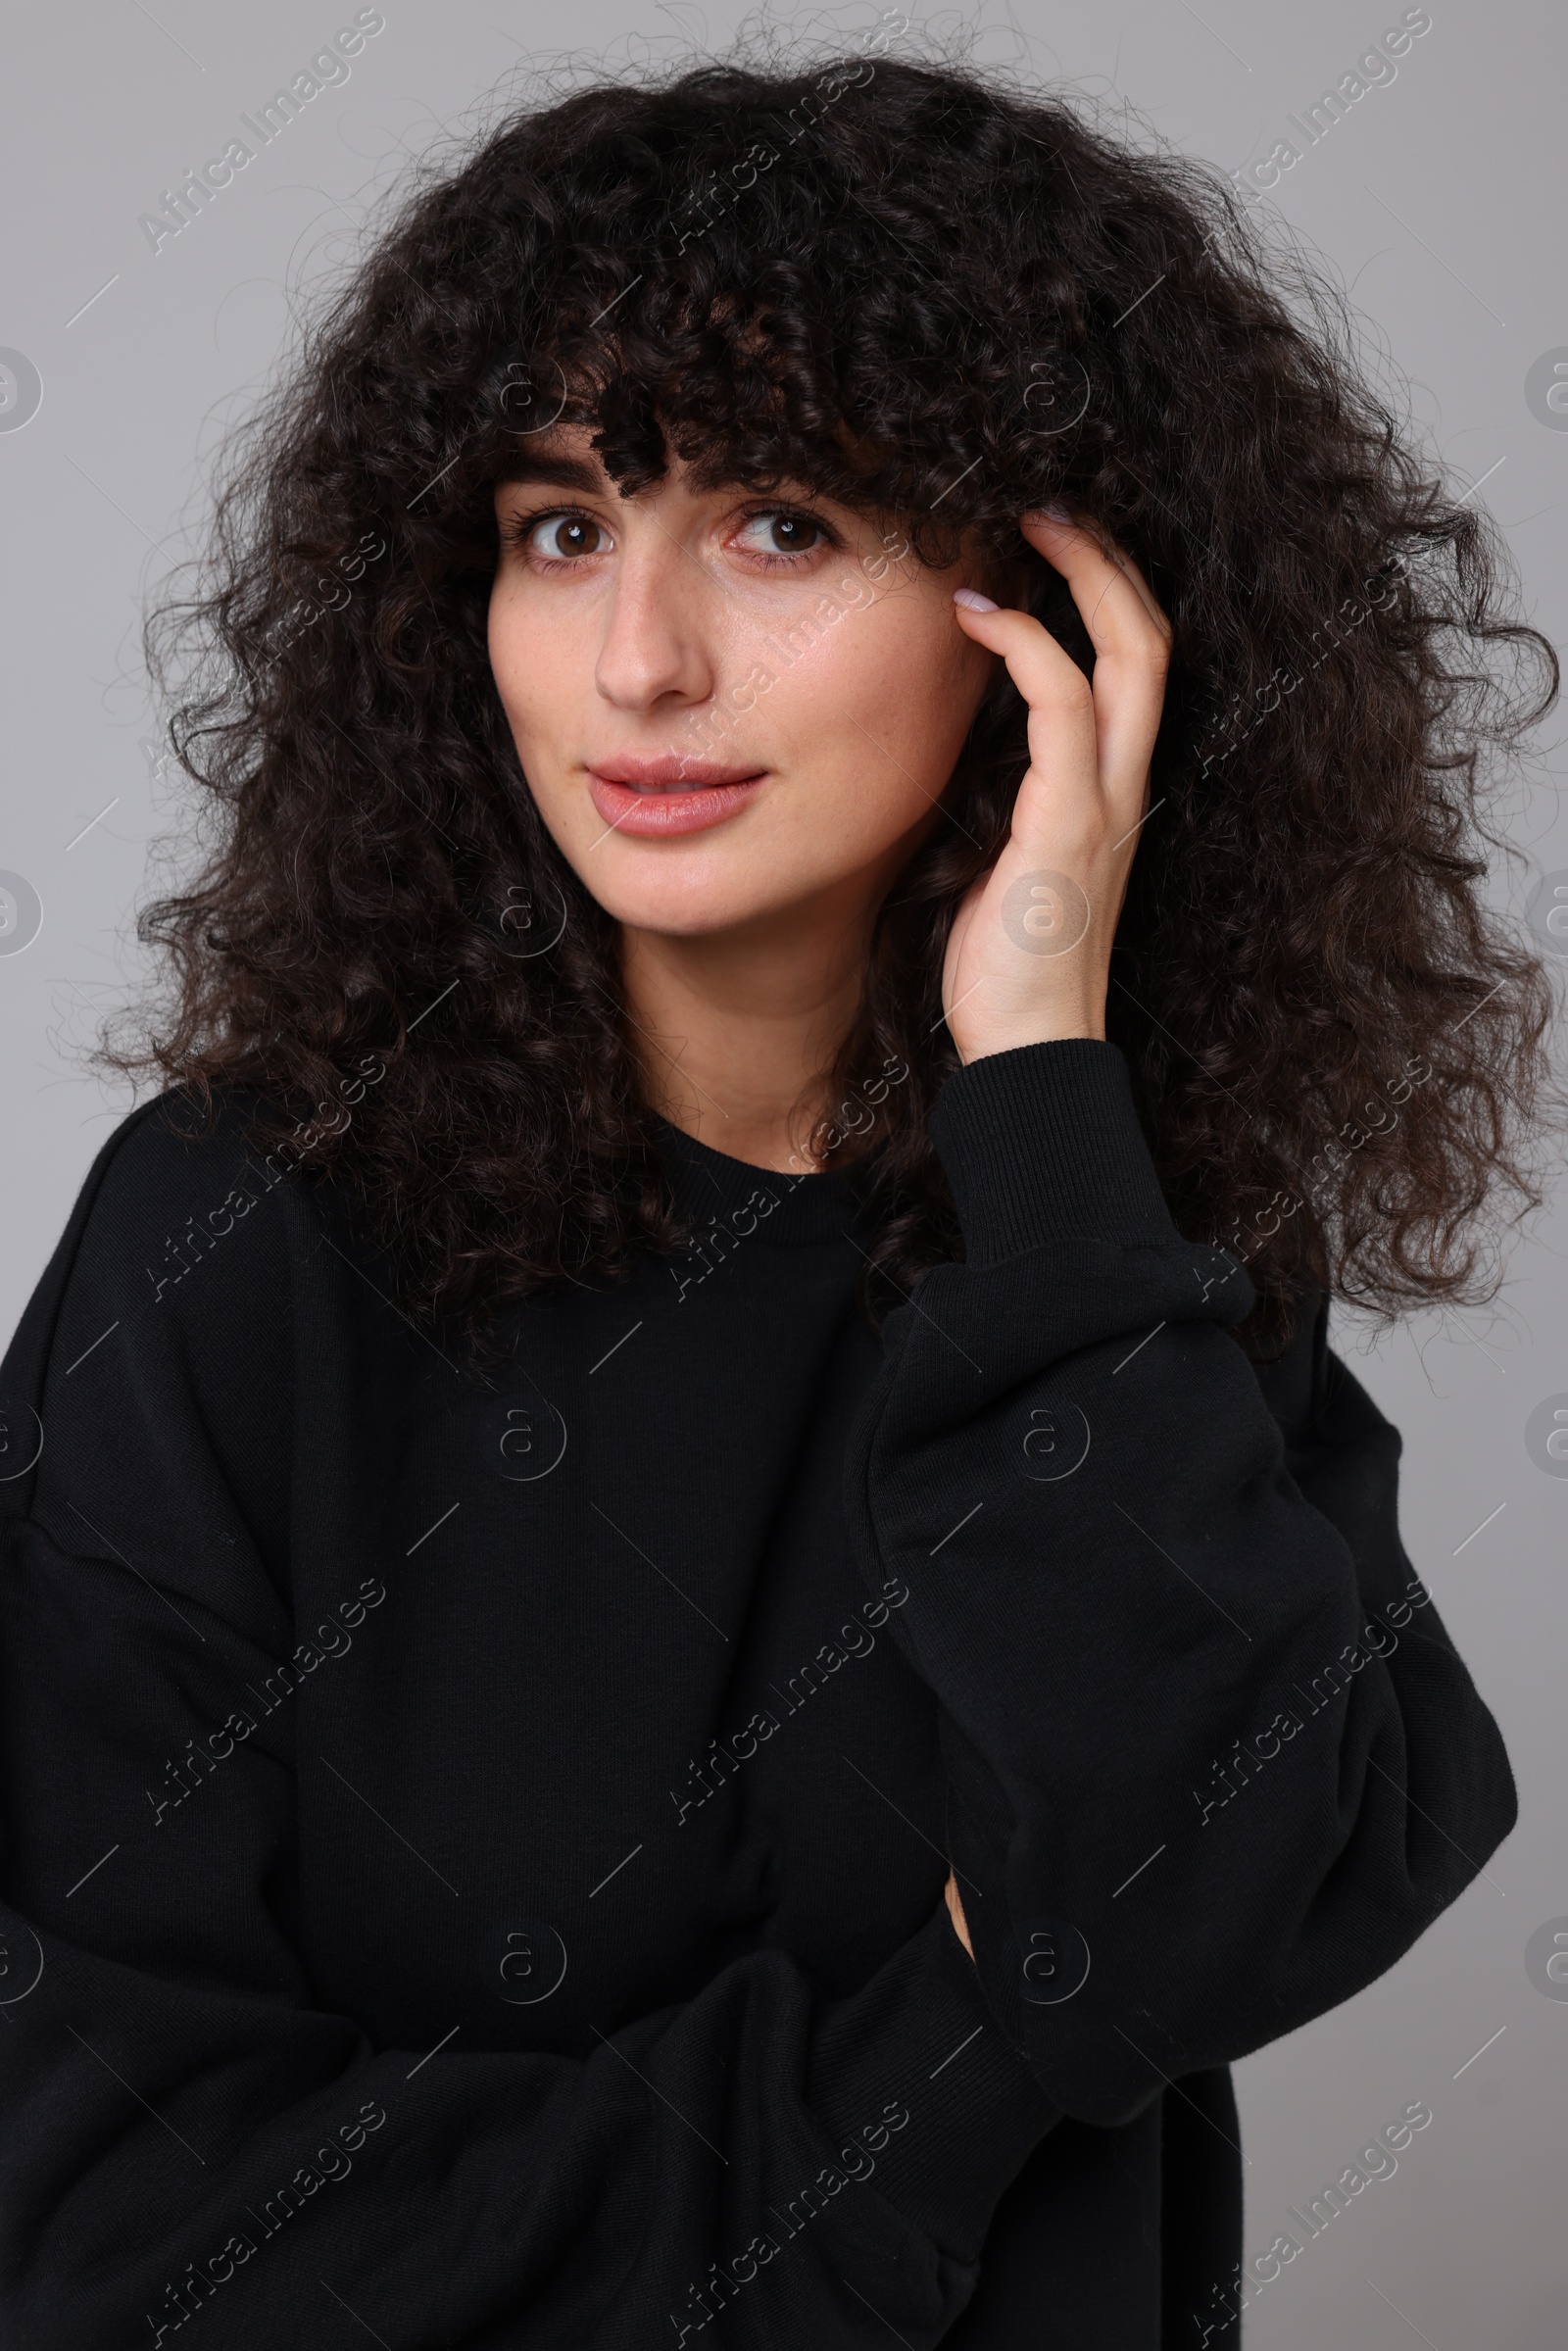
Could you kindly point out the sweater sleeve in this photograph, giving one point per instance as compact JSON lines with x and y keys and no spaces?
{"x":1214,"y":1763}
{"x":193,"y":2137}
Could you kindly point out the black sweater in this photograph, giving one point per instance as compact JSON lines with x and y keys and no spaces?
{"x":474,"y":1855}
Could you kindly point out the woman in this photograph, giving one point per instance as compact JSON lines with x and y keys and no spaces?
{"x":694,"y":1623}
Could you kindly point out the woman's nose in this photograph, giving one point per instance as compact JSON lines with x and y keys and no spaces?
{"x":659,"y":639}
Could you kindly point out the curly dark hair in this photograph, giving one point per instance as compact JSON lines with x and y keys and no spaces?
{"x":940,"y":299}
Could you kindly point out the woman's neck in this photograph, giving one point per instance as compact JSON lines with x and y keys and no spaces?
{"x":738,"y":1030}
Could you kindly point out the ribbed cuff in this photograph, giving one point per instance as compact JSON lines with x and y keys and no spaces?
{"x":1042,"y":1142}
{"x":920,"y":2036}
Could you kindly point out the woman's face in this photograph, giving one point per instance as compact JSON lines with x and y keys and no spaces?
{"x":726,"y":706}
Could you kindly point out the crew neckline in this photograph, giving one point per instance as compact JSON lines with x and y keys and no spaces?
{"x":805,"y":1207}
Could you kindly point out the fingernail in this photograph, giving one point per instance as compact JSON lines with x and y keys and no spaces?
{"x":1052,"y":512}
{"x":973,"y":601}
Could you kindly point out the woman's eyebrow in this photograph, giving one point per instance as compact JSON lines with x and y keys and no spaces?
{"x":562,"y":471}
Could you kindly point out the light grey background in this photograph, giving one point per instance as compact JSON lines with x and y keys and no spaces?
{"x":1437,"y":202}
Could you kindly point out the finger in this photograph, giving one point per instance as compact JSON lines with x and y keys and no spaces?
{"x":1064,"y":736}
{"x":1043,"y":669}
{"x":1130,"y":634}
{"x":1120,"y":608}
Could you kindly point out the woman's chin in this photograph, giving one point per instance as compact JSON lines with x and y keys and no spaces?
{"x":696,"y":895}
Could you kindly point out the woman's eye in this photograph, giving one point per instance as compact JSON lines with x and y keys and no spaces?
{"x":559,"y":537}
{"x":781,"y":533}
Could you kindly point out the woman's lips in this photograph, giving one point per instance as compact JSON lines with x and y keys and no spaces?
{"x":663,"y":801}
